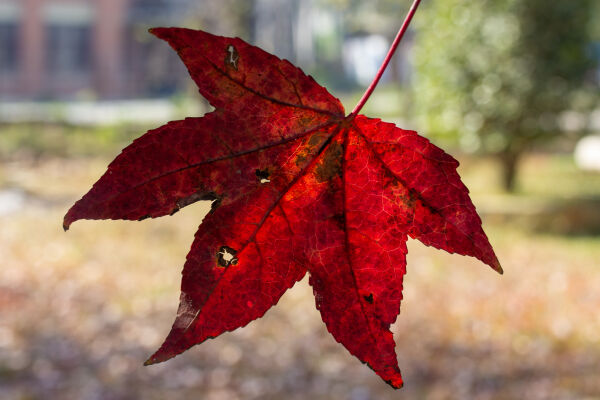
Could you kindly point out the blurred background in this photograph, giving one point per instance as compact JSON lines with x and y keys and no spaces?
{"x":509,"y":87}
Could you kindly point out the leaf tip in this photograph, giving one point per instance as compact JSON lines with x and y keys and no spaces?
{"x":395,"y":383}
{"x":149,"y":361}
{"x":67,"y":221}
{"x":159,"y":356}
{"x":498,"y":269}
{"x":394,"y":379}
{"x":156,"y":358}
{"x":157,"y":31}
{"x":495,"y":264}
{"x":166,"y":33}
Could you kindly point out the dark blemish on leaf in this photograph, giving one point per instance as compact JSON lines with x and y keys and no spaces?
{"x":314,"y":140}
{"x":226,"y":256}
{"x":388,"y":175}
{"x":300,"y":160}
{"x":186,"y":201}
{"x":232,"y":57}
{"x":305,"y":120}
{"x":318,"y":300}
{"x":369,"y":298}
{"x":410,"y":198}
{"x":340,"y":220}
{"x":194,"y":197}
{"x":331,"y":164}
{"x":215,"y":204}
{"x":144,"y":217}
{"x":263,"y":175}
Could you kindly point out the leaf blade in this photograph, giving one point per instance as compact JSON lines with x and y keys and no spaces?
{"x":434,"y":197}
{"x":167,"y":161}
{"x":297,"y":187}
{"x":357,"y":286}
{"x":237,"y":70}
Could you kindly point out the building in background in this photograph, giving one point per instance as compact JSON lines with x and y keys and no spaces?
{"x":86,"y":49}
{"x":101,"y":49}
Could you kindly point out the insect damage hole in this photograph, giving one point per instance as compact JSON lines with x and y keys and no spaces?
{"x":263,"y":175}
{"x":232,"y":57}
{"x":226,"y":256}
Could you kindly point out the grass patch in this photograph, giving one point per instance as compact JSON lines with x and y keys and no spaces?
{"x":37,"y":140}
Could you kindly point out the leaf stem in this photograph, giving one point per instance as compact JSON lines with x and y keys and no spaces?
{"x":388,"y":57}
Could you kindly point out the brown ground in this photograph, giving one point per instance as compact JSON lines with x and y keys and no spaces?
{"x":81,"y":311}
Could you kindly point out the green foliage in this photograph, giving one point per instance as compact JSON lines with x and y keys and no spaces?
{"x":374,"y":16}
{"x":38,"y":140}
{"x":496,"y":74}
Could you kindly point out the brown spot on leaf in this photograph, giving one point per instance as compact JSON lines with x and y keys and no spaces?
{"x":315,"y":139}
{"x":300,"y":160}
{"x":409,"y":199}
{"x":369,"y":298}
{"x":331,"y":164}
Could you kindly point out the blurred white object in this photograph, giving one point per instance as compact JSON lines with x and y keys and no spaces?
{"x":96,"y":113}
{"x":11,"y":201}
{"x":363,"y":55}
{"x":587,"y":153}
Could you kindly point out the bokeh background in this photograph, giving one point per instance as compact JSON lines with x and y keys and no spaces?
{"x":510,"y":88}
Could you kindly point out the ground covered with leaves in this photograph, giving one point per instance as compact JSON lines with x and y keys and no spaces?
{"x":80,"y":312}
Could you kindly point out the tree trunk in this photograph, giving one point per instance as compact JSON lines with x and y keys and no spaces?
{"x":509,"y":161}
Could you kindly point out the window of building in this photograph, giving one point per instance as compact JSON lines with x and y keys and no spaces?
{"x":9,"y":49}
{"x":10,"y":14}
{"x":68,"y":37}
{"x":68,"y":48}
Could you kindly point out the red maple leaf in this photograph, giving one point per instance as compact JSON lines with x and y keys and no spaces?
{"x":296,"y":186}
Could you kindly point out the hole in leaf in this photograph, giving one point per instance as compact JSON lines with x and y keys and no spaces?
{"x":226,"y":256}
{"x":263,"y":175}
{"x":232,"y":57}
